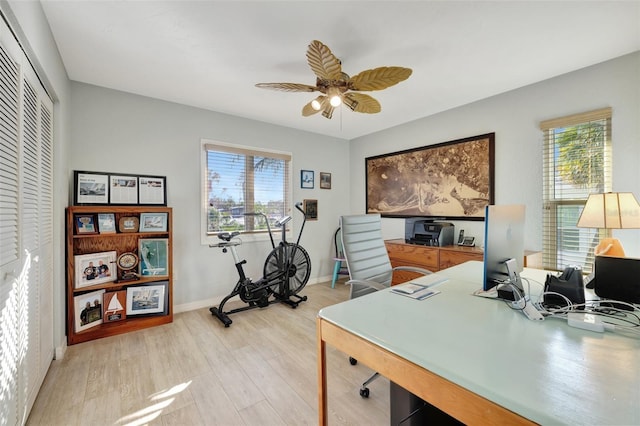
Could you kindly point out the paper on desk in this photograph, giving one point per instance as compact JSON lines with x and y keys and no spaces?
{"x":414,"y":291}
{"x":429,"y":280}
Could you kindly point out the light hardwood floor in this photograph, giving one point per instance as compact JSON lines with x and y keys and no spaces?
{"x":259,"y":371}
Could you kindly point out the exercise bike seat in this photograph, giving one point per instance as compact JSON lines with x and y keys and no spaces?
{"x":227,"y":236}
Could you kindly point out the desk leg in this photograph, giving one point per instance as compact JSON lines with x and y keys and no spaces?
{"x":322,"y":375}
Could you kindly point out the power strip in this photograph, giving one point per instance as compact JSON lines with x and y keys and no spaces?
{"x":532,"y":313}
{"x":529,"y":309}
{"x":585,"y":321}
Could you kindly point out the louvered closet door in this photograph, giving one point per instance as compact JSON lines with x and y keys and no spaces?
{"x":36,"y":235}
{"x":9,"y":236}
{"x":26,"y":233}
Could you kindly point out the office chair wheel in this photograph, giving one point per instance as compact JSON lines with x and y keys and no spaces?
{"x":364,"y":392}
{"x":352,"y":361}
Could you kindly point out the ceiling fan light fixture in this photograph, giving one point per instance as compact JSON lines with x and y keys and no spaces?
{"x":317,"y":103}
{"x":351,"y":103}
{"x":337,"y":87}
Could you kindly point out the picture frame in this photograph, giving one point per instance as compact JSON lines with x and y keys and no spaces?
{"x":310,"y":209}
{"x":306,"y":179}
{"x":153,"y":222}
{"x":451,"y":180}
{"x":106,"y":223}
{"x":94,"y":268}
{"x":152,"y":190}
{"x":154,"y":257}
{"x":90,"y":188}
{"x":110,"y":188}
{"x":128,"y":224}
{"x":123,"y":189}
{"x":85,"y":224}
{"x":148,"y":299}
{"x":88,"y":310}
{"x":325,"y":180}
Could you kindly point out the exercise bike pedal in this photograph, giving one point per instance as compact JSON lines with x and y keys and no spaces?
{"x":221,"y":316}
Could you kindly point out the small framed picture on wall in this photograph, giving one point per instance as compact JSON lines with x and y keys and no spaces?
{"x":325,"y":180}
{"x":306,"y":179}
{"x":311,"y":209}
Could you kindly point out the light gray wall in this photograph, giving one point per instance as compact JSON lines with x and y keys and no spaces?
{"x":101,"y":129}
{"x":114,"y":131}
{"x":514,"y":117}
{"x":28,"y":21}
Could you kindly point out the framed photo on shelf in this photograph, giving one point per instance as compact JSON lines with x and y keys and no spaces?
{"x":310,"y":209}
{"x":306,"y":179}
{"x":90,"y":188}
{"x":85,"y":224}
{"x":325,"y":180}
{"x":94,"y":268}
{"x":154,"y":257}
{"x":88,"y":310}
{"x":152,"y":190}
{"x":123,"y":189}
{"x":107,"y":223}
{"x":128,"y":224}
{"x":153,"y":222}
{"x":148,"y":299}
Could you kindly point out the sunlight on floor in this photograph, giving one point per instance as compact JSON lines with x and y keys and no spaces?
{"x":152,"y":412}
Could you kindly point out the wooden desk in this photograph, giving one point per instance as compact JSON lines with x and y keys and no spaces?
{"x":481,"y":362}
{"x":437,"y":258}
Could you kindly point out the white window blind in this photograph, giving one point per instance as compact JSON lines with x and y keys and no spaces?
{"x":241,"y":180}
{"x":576,"y":163}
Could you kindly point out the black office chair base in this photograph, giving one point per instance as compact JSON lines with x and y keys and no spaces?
{"x":364,"y":390}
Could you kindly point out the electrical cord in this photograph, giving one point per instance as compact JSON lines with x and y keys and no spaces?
{"x":604,"y":313}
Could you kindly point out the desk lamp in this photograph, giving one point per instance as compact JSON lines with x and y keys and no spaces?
{"x":611,"y":210}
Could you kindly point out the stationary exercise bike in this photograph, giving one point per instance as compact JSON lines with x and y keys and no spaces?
{"x":286,"y":271}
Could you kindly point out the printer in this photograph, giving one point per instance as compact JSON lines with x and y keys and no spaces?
{"x":427,"y":232}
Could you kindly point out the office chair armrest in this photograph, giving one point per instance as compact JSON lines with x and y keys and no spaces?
{"x":413,"y":269}
{"x":362,"y":287}
{"x":369,"y":284}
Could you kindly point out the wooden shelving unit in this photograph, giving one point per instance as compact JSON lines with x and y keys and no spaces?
{"x":120,"y":242}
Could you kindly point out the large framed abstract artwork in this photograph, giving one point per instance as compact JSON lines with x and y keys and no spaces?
{"x":450,"y":180}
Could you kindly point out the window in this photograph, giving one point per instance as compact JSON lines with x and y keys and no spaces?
{"x":240,"y":180}
{"x":576,"y":163}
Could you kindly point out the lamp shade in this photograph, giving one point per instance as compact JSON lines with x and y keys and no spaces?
{"x":612,"y":210}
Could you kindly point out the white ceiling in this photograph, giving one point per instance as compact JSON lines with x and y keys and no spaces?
{"x":209,"y":54}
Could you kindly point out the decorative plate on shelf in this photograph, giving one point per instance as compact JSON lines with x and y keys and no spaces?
{"x":127,"y":262}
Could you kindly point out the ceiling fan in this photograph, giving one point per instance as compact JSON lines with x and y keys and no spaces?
{"x":337,"y":87}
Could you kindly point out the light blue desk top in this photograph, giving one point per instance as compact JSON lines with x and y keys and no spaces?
{"x":545,"y":371}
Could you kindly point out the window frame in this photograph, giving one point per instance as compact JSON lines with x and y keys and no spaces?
{"x":207,"y":237}
{"x":551,"y":243}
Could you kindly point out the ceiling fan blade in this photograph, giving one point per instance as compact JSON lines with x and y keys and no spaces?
{"x":379,"y":78}
{"x":359,"y":102}
{"x":287,"y":87}
{"x":322,"y":62}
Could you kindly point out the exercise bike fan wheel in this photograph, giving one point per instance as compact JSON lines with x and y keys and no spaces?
{"x":294,"y":276}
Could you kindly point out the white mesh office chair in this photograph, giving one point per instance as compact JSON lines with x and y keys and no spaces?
{"x":368,"y":262}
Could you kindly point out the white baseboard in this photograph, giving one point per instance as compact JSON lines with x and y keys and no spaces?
{"x":207,"y":303}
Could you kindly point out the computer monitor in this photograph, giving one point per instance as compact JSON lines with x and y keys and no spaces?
{"x":503,"y":240}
